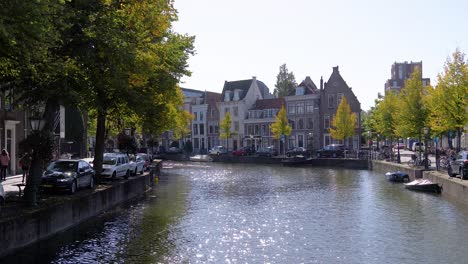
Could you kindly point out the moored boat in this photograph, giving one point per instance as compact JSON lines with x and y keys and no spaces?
{"x":201,"y":158}
{"x":423,"y":185}
{"x":397,"y":176}
{"x":297,"y":160}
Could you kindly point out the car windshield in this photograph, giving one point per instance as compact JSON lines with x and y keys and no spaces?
{"x":63,"y":166}
{"x":109,"y":160}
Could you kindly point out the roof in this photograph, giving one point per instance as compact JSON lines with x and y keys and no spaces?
{"x":308,"y":85}
{"x":275,"y":103}
{"x":192,"y":92}
{"x":212,"y":98}
{"x":243,"y":86}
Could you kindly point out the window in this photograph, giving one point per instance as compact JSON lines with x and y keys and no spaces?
{"x":326,"y":139}
{"x":300,"y":140}
{"x":226,"y":110}
{"x":326,"y":122}
{"x":338,"y":98}
{"x":201,"y":116}
{"x":331,"y":101}
{"x":300,"y":108}
{"x":300,"y":91}
{"x":236,"y":126}
{"x":236,"y":111}
{"x":300,"y":124}
{"x":195,"y":116}
{"x":213,"y":111}
{"x":9,"y":99}
{"x":195,"y":129}
{"x":400,"y":72}
{"x":270,"y":112}
{"x":227,"y":96}
{"x":249,"y":129}
{"x":211,"y":129}
{"x":310,"y":123}
{"x":395,"y":84}
{"x":256,"y":132}
{"x":291,"y":109}
{"x":202,"y":129}
{"x":216,"y":129}
{"x":196,"y":143}
{"x":293,"y":125}
{"x":309,"y":107}
{"x":264,"y":130}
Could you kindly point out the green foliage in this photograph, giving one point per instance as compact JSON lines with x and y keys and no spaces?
{"x":449,"y":100}
{"x":225,"y":127}
{"x":385,"y":114}
{"x":344,"y":123}
{"x":412,"y":113}
{"x":285,"y":82}
{"x":39,"y":144}
{"x":281,"y":125}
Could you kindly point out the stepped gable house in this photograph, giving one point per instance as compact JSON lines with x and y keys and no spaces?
{"x":331,"y":94}
{"x":302,"y":107}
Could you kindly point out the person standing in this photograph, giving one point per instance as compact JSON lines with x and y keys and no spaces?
{"x":24,"y":163}
{"x":4,"y":161}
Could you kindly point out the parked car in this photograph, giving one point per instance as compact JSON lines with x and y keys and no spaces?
{"x":136,"y":164}
{"x":459,"y":165}
{"x":242,"y":151}
{"x":331,"y":151}
{"x":218,"y":150}
{"x":146,"y":158}
{"x":399,"y":145}
{"x":68,"y":174}
{"x":2,"y":197}
{"x":267,"y":152}
{"x":174,"y":150}
{"x":115,"y":165}
{"x":298,"y":151}
{"x":89,"y":160}
{"x":415,"y":146}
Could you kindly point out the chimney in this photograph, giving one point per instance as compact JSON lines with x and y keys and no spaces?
{"x":254,"y":77}
{"x":335,"y":69}
{"x":321,"y":82}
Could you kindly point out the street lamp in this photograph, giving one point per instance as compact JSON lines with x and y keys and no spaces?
{"x":37,"y":123}
{"x":426,"y":164}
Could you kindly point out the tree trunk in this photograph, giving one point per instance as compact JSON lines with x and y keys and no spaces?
{"x":33,"y":181}
{"x":458,"y":140}
{"x":100,"y":138}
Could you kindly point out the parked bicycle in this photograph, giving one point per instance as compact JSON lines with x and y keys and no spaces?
{"x":415,"y":161}
{"x":445,"y":162}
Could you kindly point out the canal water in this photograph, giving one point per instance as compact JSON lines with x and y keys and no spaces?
{"x":238,"y":213}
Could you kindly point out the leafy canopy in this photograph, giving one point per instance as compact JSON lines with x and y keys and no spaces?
{"x":344,"y":123}
{"x":281,"y":125}
{"x":285,"y":82}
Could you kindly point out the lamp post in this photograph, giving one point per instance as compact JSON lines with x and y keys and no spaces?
{"x":426,"y":131}
{"x":35,"y":170}
{"x":398,"y":151}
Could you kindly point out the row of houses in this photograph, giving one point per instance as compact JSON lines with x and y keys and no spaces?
{"x":310,"y":110}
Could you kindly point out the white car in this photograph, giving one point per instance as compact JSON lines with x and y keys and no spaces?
{"x":2,"y":196}
{"x":137,"y":164}
{"x":218,"y":150}
{"x":115,"y":165}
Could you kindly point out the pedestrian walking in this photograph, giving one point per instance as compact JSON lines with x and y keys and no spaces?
{"x":25,"y":163}
{"x":4,"y":161}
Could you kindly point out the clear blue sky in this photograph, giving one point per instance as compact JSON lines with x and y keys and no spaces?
{"x":236,"y":40}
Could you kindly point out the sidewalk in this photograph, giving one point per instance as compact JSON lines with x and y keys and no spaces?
{"x":9,"y":184}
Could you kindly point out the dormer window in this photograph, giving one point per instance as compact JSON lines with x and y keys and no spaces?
{"x":227,"y":96}
{"x":300,"y":90}
{"x":236,"y":95}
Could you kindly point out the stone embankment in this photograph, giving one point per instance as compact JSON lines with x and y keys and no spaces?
{"x":30,"y":226}
{"x":452,"y":188}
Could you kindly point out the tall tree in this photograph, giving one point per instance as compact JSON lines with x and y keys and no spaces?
{"x":448,"y":101}
{"x":385,"y":114}
{"x":412,"y":113}
{"x":225,"y":128}
{"x":344,"y":124}
{"x":285,"y":82}
{"x":281,"y":125}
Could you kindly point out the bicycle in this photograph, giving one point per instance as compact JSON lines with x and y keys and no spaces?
{"x":416,"y":161}
{"x":444,"y":162}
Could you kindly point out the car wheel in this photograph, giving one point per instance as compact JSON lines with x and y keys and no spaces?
{"x":450,"y":172}
{"x":141,"y":172}
{"x":136,"y":171}
{"x":127,"y":175}
{"x":91,"y":182}
{"x":73,"y":188}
